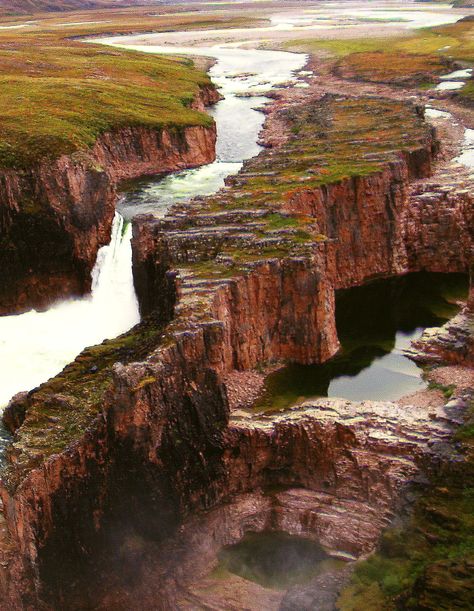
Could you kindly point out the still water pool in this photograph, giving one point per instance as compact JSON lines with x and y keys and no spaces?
{"x":275,"y":559}
{"x":375,"y":324}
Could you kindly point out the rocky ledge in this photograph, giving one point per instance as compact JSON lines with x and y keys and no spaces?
{"x":135,"y":436}
{"x":451,"y":343}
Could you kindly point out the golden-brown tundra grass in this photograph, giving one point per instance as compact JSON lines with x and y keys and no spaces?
{"x":58,"y":93}
{"x":417,"y":57}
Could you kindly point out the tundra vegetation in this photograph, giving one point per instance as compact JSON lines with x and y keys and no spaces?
{"x":416,"y":58}
{"x":58,"y":94}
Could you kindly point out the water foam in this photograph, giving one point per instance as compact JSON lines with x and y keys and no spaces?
{"x":37,"y":345}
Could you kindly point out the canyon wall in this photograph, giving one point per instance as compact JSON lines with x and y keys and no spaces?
{"x":161,"y":429}
{"x":55,"y":216}
{"x":228,"y":288}
{"x":437,"y":223}
{"x":368,"y":220}
{"x":53,"y":220}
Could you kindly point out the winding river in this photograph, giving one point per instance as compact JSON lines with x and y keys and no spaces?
{"x":37,"y":345}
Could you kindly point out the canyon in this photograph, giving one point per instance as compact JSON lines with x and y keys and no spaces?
{"x":55,"y":217}
{"x":137,"y":436}
{"x":129,"y":472}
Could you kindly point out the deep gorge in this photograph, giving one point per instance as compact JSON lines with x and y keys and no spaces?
{"x":156,"y":441}
{"x":55,"y":217}
{"x":132,"y":480}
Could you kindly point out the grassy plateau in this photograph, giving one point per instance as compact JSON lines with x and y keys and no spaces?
{"x":58,"y":94}
{"x":415,"y":58}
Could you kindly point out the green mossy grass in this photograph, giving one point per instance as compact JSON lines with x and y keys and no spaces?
{"x":447,"y":391}
{"x":458,"y":37}
{"x":59,"y":98}
{"x":466,"y":94}
{"x":337,"y":140}
{"x":385,"y":67}
{"x":59,"y":94}
{"x":428,"y":563}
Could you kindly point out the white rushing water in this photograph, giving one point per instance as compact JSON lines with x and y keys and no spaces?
{"x":452,"y":81}
{"x":449,"y":85}
{"x":37,"y":345}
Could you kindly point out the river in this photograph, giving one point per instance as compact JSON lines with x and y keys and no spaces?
{"x":37,"y":345}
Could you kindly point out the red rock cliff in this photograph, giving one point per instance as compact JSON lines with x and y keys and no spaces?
{"x":54,"y":217}
{"x":231,"y":285}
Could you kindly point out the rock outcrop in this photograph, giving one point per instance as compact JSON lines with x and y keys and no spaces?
{"x":437,"y":221}
{"x":451,"y":343}
{"x":54,"y":217}
{"x":331,"y":471}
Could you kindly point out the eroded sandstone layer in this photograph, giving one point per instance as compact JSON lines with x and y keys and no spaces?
{"x":135,"y":435}
{"x":54,"y":217}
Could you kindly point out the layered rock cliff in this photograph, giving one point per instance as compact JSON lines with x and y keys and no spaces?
{"x":451,"y":343}
{"x":238,"y":279}
{"x":54,"y":217}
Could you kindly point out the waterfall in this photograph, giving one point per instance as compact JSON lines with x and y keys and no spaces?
{"x":37,"y":345}
{"x":113,"y":295}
